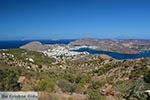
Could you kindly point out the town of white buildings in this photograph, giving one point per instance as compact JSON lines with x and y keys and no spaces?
{"x":67,"y":51}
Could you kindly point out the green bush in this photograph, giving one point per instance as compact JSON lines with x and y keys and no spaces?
{"x":66,"y":86}
{"x":138,"y":72}
{"x":97,"y":84}
{"x":131,"y":90}
{"x":9,"y":81}
{"x":83,"y":79}
{"x":95,"y":95}
{"x":80,"y":88}
{"x":70,"y":77}
{"x":147,"y":77}
{"x":45,"y":85}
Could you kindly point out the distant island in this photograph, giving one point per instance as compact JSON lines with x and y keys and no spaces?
{"x":122,"y":46}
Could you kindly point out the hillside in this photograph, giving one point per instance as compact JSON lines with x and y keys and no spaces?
{"x":122,"y":46}
{"x":36,"y":46}
{"x":90,"y":77}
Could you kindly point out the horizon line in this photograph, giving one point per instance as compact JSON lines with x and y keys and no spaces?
{"x":55,"y":39}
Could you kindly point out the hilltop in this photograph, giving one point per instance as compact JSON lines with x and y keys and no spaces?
{"x":35,"y":45}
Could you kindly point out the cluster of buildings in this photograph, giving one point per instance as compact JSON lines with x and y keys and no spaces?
{"x":63,"y":51}
{"x":79,"y":47}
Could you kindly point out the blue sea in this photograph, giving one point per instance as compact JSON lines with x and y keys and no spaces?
{"x":18,"y":43}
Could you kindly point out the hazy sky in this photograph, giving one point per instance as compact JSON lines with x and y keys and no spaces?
{"x":64,"y":19}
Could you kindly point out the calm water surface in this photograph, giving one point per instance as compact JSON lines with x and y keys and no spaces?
{"x":114,"y":54}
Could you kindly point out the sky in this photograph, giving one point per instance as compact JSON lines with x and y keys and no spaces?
{"x":73,"y":19}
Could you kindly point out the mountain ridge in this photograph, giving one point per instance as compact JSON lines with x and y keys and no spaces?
{"x":122,"y":46}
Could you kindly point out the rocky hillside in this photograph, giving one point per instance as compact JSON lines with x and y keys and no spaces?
{"x":122,"y":46}
{"x":91,"y":77}
{"x":36,"y":46}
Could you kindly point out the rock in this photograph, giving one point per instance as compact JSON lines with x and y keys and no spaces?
{"x":30,"y":59}
{"x":21,"y":79}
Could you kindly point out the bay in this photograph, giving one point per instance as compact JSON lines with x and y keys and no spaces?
{"x":115,"y":54}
